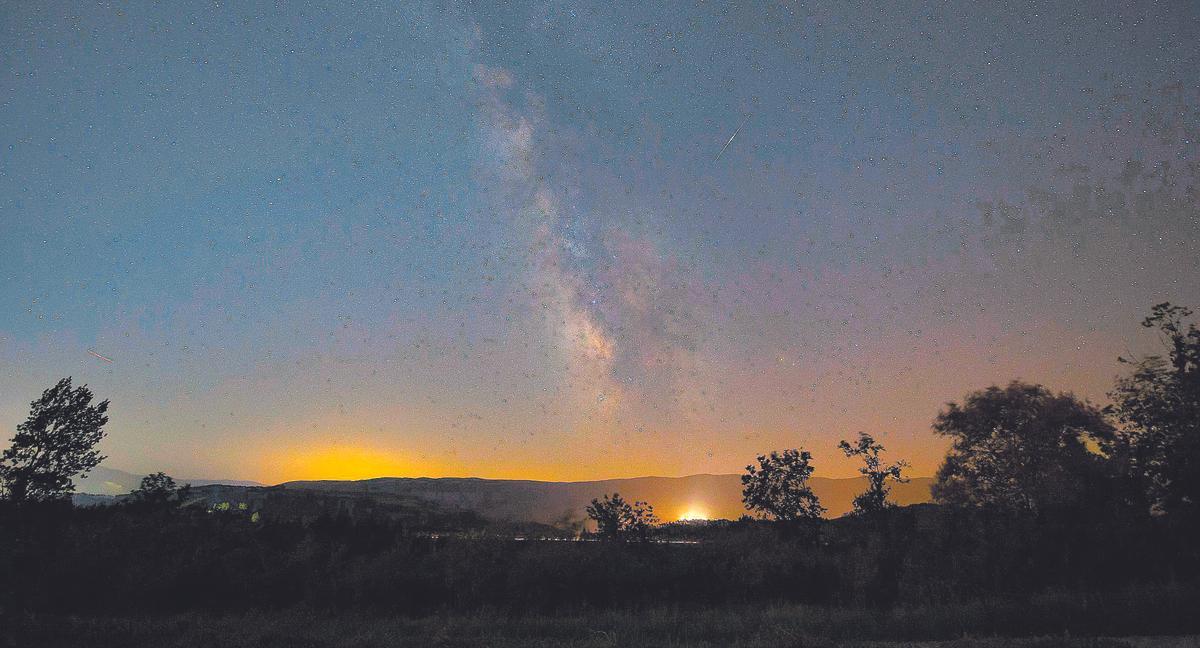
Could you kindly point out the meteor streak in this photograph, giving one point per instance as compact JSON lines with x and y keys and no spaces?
{"x":735,"y":132}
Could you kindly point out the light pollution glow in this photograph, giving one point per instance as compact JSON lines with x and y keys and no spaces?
{"x":341,"y":462}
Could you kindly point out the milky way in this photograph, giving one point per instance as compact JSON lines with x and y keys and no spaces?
{"x":580,"y":242}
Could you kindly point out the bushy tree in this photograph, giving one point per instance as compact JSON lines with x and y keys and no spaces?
{"x":158,"y":488}
{"x":618,"y":519}
{"x":1021,"y":447}
{"x":877,"y":474}
{"x":1157,"y":406}
{"x":56,"y":442}
{"x":778,"y":487}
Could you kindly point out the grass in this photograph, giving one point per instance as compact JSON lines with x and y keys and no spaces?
{"x":795,"y":626}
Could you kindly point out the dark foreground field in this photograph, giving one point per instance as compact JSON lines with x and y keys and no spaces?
{"x":761,"y":627}
{"x":230,"y":576}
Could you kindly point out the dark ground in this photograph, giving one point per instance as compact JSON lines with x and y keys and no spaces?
{"x":770,"y":627}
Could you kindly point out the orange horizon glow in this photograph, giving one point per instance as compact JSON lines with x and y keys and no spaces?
{"x":342,"y":462}
{"x":350,"y":462}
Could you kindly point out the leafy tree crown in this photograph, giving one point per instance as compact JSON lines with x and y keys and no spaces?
{"x":1157,"y":406}
{"x":57,"y":442}
{"x":778,"y":486}
{"x":1020,"y":446}
{"x":618,"y":519}
{"x":877,"y":473}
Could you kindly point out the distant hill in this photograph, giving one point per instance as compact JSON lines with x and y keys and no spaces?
{"x":504,"y":500}
{"x":559,"y":503}
{"x":109,"y":481}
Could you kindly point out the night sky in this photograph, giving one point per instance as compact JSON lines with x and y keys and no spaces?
{"x":318,"y":242}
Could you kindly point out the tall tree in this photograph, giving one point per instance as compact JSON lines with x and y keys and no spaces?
{"x":877,"y":474}
{"x":778,"y":487}
{"x":1020,"y":446}
{"x":56,"y":442}
{"x":1157,"y":406}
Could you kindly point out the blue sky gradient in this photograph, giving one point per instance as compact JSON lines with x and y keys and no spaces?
{"x":465,"y":239}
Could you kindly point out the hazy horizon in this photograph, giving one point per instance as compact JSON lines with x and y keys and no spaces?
{"x":231,"y":478}
{"x":685,"y":497}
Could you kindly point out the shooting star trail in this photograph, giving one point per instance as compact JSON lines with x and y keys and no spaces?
{"x":735,"y":132}
{"x":97,"y":355}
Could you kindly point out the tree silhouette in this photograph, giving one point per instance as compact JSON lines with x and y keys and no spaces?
{"x":778,"y":487}
{"x":1020,"y":446}
{"x":158,"y":488}
{"x":54,"y":444}
{"x":877,"y":474}
{"x":1158,"y":408}
{"x":617,"y":519}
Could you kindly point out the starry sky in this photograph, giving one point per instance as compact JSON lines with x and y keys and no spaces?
{"x":304,"y":240}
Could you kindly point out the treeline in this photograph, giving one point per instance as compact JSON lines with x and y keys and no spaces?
{"x":133,"y":560}
{"x":1020,"y":448}
{"x":1041,"y":495}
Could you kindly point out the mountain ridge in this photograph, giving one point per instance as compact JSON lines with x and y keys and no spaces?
{"x":103,"y":480}
{"x":549,"y":502}
{"x":707,"y":495}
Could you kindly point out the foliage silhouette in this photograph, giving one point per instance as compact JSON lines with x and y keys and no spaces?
{"x":617,"y":519}
{"x":57,"y":442}
{"x":54,"y":559}
{"x":1157,"y":406}
{"x":1031,"y":554}
{"x":778,"y":487}
{"x":877,"y":474}
{"x":1021,"y":447}
{"x":157,"y":489}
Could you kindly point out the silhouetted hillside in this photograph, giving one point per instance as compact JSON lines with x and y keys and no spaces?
{"x":109,"y":481}
{"x":501,"y":500}
{"x":711,"y":496}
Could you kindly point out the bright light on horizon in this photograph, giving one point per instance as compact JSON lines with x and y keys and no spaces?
{"x":693,"y":513}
